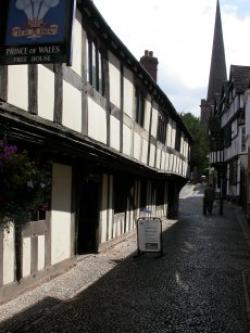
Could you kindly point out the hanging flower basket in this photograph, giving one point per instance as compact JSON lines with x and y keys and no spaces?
{"x":23,"y":189}
{"x":21,"y":184}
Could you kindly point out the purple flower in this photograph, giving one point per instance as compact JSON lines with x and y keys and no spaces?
{"x":6,"y":150}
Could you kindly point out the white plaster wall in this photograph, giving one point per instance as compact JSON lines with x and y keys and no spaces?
{"x":154,"y":122}
{"x":72,"y":107}
{"x":167,"y":162}
{"x":26,"y":256}
{"x":127,"y":140}
{"x":77,"y":46}
{"x":144,"y":156}
{"x":179,"y":165}
{"x":186,"y":149}
{"x":61,"y":213}
{"x":169,"y":129}
{"x":115,"y":80}
{"x":114,"y":133}
{"x":152,"y":155}
{"x":18,"y":86}
{"x":147,"y":115}
{"x":8,"y":255}
{"x":182,"y":145}
{"x":97,"y":128}
{"x":137,"y":146}
{"x":111,"y":207}
{"x":173,"y":134}
{"x":46,"y":93}
{"x":41,"y":253}
{"x":171,"y":162}
{"x":104,"y":209}
{"x":158,"y":158}
{"x":163,"y":160}
{"x":129,"y":93}
{"x":176,"y":164}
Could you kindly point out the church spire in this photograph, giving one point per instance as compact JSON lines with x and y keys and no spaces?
{"x":218,"y":72}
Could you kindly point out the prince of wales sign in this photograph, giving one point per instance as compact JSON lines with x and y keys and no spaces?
{"x":36,"y":31}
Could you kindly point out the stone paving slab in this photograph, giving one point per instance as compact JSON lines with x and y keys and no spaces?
{"x":198,"y":286}
{"x":90,"y":268}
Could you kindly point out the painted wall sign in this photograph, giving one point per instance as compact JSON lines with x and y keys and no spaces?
{"x":36,"y":31}
{"x":149,"y":233}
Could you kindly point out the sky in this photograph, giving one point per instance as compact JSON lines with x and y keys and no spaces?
{"x":180,"y":33}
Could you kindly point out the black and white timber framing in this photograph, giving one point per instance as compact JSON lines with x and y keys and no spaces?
{"x":105,"y":167}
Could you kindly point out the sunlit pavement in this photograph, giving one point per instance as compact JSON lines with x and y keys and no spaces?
{"x":200,"y":285}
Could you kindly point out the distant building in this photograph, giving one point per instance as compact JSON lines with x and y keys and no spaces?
{"x":226,"y":114}
{"x":115,"y":143}
{"x":228,"y":135}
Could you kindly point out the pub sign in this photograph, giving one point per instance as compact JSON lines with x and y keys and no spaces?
{"x":36,"y":31}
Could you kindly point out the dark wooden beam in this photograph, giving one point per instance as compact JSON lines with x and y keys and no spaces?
{"x":122,"y":107}
{"x":34,"y":254}
{"x":58,"y":93}
{"x":107,"y":94}
{"x":84,"y":82}
{"x":4,"y":83}
{"x":48,"y":240}
{"x":32,"y":88}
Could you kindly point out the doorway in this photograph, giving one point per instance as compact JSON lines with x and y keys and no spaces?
{"x":88,"y":214}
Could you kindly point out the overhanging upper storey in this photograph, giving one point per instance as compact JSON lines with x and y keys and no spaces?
{"x":105,"y":104}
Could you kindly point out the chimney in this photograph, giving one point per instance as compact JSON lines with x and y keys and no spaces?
{"x":150,"y":63}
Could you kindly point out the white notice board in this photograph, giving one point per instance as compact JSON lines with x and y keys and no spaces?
{"x":149,"y":233}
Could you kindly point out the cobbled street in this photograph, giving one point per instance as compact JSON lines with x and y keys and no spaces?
{"x":200,"y":285}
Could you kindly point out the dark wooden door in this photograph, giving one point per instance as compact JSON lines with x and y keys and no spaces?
{"x":88,"y":220}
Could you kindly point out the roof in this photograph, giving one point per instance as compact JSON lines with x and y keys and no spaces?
{"x":218,"y":72}
{"x":240,"y":76}
{"x":101,"y":27}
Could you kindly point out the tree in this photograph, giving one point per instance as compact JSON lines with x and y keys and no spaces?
{"x":199,"y":150}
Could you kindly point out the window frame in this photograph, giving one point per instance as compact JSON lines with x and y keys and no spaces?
{"x":95,"y":74}
{"x":178,"y":135}
{"x":139,"y":107}
{"x":162,"y":128}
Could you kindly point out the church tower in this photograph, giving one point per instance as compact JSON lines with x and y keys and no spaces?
{"x":218,"y":71}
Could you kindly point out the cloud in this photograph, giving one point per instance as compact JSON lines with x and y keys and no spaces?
{"x":180,"y":33}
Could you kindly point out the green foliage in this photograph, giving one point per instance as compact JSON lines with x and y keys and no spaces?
{"x":199,"y":150}
{"x":22,"y":186}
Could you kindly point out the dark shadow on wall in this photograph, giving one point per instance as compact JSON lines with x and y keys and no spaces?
{"x":176,"y":293}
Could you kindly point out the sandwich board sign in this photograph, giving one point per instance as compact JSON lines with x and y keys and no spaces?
{"x":149,"y":235}
{"x":36,"y":31}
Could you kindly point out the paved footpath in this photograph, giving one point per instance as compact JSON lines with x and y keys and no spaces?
{"x":200,"y":285}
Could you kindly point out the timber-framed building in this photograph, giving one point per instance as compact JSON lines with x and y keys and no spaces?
{"x":114,"y":142}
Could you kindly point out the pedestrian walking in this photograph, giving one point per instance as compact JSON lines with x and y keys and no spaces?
{"x":208,"y":200}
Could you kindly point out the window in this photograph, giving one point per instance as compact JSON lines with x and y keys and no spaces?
{"x":233,"y":172}
{"x":95,"y":72}
{"x":227,"y":135}
{"x":162,"y":128}
{"x":178,"y":140}
{"x":243,"y":139}
{"x":139,"y":107}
